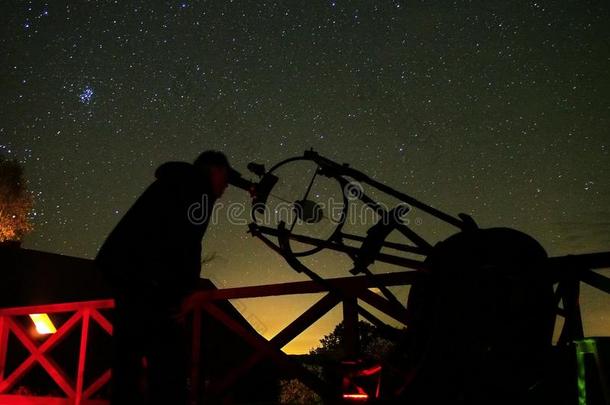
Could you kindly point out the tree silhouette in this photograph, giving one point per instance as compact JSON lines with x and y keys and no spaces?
{"x":15,"y":202}
{"x":325,"y":360}
{"x":372,"y":342}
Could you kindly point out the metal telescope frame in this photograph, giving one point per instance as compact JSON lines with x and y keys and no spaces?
{"x":369,"y":251}
{"x":568,"y":271}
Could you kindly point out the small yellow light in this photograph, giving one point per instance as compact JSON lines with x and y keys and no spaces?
{"x":43,"y":324}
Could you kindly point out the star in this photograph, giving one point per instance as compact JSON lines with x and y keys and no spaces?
{"x":483,"y":109}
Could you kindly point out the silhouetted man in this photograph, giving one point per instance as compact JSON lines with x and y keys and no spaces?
{"x":152,"y":260}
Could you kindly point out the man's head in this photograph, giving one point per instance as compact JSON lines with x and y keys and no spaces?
{"x":215,"y":166}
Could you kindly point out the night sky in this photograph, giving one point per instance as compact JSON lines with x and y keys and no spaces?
{"x":497,"y":109}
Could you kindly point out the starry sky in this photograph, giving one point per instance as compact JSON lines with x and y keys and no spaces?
{"x":497,"y":109}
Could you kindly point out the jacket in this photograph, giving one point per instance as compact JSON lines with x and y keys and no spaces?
{"x":156,"y":247}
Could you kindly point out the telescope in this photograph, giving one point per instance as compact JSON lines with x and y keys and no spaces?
{"x":259,"y":192}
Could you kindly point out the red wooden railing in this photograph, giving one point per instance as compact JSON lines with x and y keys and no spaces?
{"x":345,"y":290}
{"x":82,"y":314}
{"x":349,"y":291}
